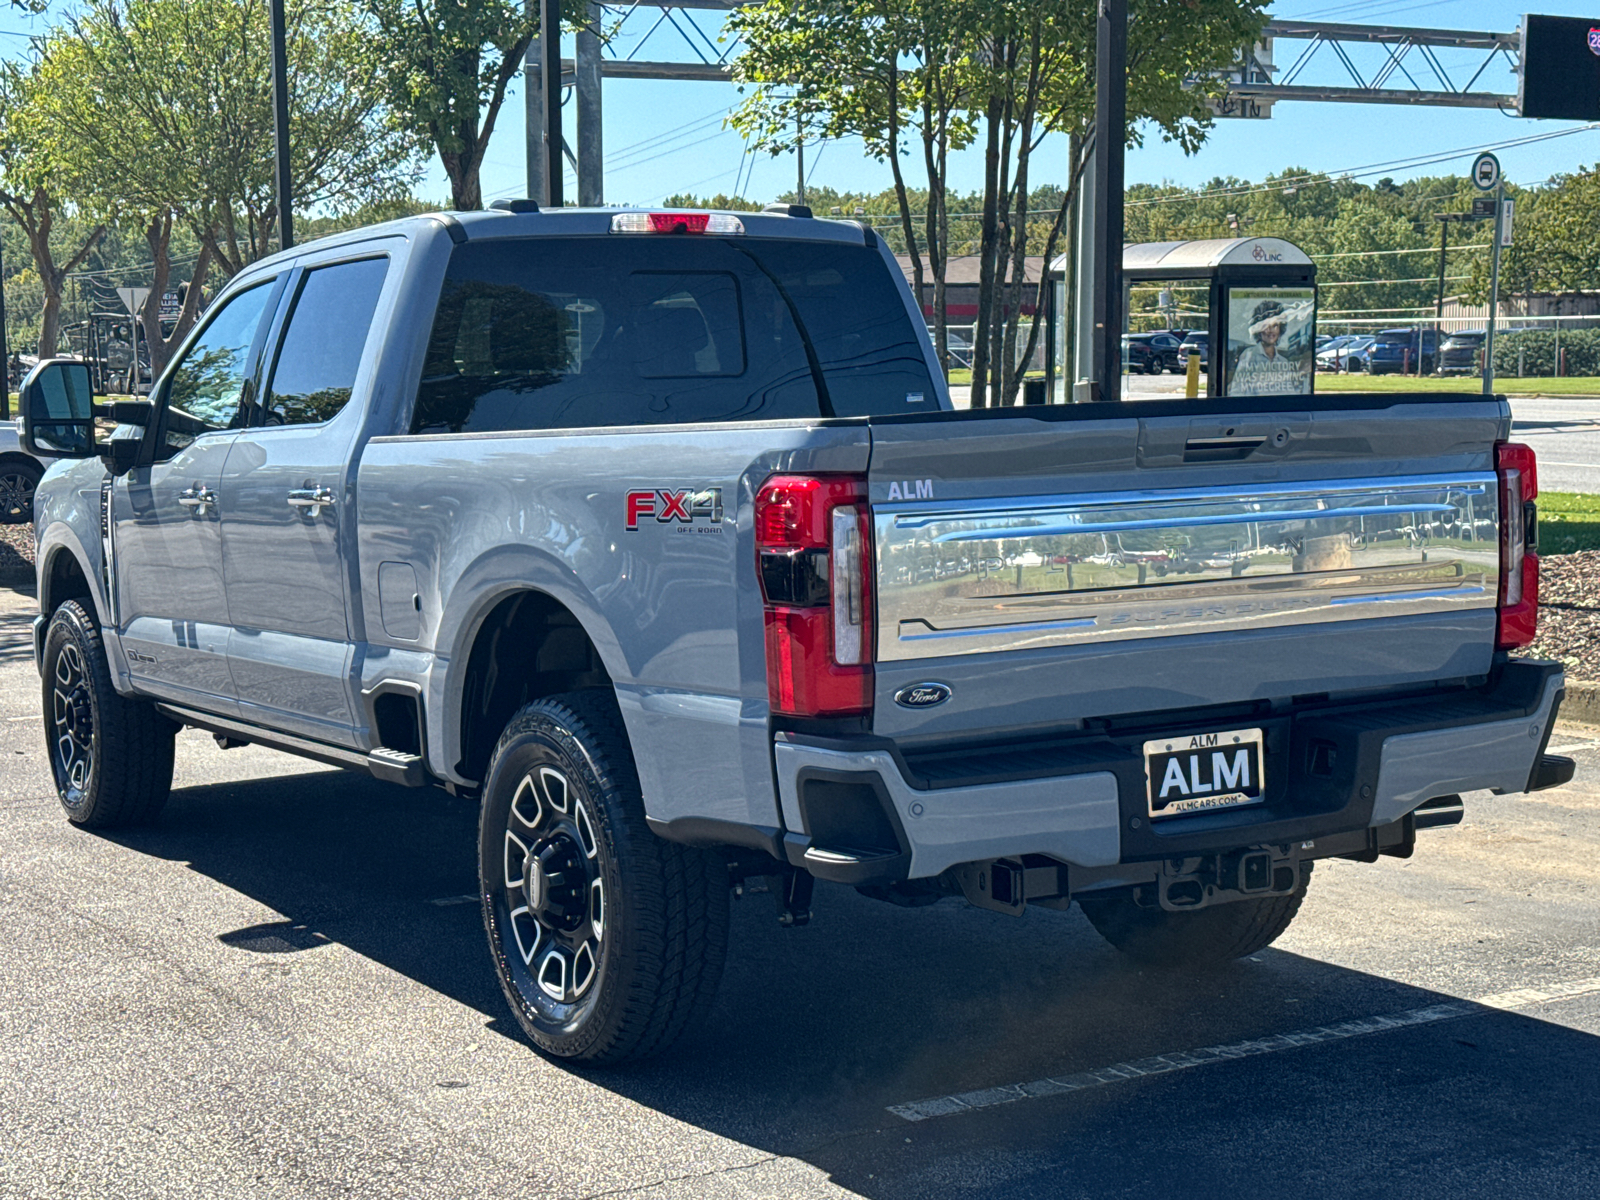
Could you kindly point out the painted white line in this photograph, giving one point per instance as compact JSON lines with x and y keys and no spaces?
{"x":1589,"y":745}
{"x":32,"y":717}
{"x":1160,"y":1064}
{"x":447,"y":901}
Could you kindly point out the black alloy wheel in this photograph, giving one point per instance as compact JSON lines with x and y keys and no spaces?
{"x":605,"y":938}
{"x":110,"y":755}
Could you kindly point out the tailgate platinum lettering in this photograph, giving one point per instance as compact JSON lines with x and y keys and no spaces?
{"x":1060,"y":570}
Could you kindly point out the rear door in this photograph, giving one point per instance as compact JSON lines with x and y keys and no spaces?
{"x":286,"y":510}
{"x":172,"y":607}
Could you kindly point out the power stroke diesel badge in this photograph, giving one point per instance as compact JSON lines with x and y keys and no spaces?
{"x":922,"y":695}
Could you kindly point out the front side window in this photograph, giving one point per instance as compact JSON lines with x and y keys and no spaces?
{"x":206,"y":387}
{"x":320,"y":354}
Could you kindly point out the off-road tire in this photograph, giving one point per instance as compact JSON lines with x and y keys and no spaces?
{"x":656,"y":954}
{"x":1203,"y":938}
{"x":126,"y":775}
{"x":18,"y":479}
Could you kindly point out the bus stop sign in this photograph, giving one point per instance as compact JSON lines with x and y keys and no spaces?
{"x":1486,"y":172}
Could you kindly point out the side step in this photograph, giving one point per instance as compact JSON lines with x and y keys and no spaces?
{"x":391,"y":766}
{"x":1438,"y":812}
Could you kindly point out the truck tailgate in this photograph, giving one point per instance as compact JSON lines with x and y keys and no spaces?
{"x":1057,"y":565}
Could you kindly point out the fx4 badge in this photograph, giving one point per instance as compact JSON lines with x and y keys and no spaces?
{"x":922,"y":695}
{"x":681,"y":508}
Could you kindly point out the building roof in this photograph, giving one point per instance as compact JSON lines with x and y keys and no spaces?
{"x":962,"y":270}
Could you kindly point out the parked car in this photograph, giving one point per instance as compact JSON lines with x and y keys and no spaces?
{"x":1139,"y":357}
{"x":1460,"y":354}
{"x":20,"y":473}
{"x":611,"y":521}
{"x":1195,"y":343}
{"x":1166,"y":345}
{"x":1413,"y":349}
{"x":1350,"y":354}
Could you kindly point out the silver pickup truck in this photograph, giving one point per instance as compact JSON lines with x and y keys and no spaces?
{"x":656,"y":532}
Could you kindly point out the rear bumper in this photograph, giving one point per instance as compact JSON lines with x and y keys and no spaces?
{"x":1330,"y":769}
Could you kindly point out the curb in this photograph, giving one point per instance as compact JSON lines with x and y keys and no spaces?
{"x":1582,"y":703}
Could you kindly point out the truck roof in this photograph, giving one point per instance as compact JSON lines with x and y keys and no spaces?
{"x":580,"y":222}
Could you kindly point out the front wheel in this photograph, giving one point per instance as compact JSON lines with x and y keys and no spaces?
{"x":1206,"y":937}
{"x":111,"y":756}
{"x":606,"y":939}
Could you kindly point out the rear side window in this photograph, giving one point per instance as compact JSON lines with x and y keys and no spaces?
{"x":323,"y":342}
{"x":593,"y":332}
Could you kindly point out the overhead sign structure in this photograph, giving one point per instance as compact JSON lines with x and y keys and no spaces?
{"x":1560,"y":77}
{"x":1486,"y":172}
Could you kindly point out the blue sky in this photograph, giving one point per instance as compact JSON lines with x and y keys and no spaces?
{"x":663,"y":137}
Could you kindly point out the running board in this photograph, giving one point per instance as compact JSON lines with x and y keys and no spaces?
{"x":391,"y":766}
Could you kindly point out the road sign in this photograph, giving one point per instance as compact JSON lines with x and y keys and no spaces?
{"x":1486,"y":172}
{"x":1560,"y":75}
{"x":133,"y":299}
{"x":1505,"y":222}
{"x":1483,"y":209}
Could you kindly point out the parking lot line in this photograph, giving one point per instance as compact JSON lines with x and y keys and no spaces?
{"x":1160,"y":1064}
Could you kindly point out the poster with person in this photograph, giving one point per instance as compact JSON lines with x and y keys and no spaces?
{"x":1271,"y":339}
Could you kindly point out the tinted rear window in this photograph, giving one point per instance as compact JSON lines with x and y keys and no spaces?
{"x":572,"y":332}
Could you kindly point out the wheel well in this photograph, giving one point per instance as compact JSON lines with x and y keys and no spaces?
{"x":66,"y":581}
{"x":21,"y":460}
{"x":530,"y":645}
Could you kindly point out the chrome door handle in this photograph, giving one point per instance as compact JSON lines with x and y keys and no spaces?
{"x":312,"y":500}
{"x":197,"y":498}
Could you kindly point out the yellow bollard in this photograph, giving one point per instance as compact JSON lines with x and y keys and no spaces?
{"x":1191,"y":389}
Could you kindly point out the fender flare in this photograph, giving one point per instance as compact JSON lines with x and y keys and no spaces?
{"x":473,"y":595}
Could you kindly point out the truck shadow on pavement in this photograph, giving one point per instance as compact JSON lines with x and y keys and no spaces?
{"x":818,"y":1030}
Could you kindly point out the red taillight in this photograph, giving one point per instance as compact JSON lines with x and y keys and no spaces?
{"x":814,"y":559}
{"x":1519,"y":562}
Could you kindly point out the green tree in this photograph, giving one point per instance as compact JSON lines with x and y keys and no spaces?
{"x":951,"y":71}
{"x":30,"y":194}
{"x":160,"y":112}
{"x":447,"y":64}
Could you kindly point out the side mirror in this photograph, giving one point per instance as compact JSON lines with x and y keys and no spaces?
{"x":56,"y":411}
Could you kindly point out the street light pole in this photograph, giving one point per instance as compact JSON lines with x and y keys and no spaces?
{"x":280,"y":126}
{"x":1494,"y":289}
{"x":1110,"y":121}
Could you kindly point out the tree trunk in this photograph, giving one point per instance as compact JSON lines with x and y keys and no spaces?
{"x":158,"y":236}
{"x":990,"y":229}
{"x":907,"y":227}
{"x":1050,"y":244}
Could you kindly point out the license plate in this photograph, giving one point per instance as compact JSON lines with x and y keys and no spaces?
{"x":1204,"y":771}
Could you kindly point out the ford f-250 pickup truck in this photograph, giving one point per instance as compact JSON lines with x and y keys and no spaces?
{"x":657,"y":532}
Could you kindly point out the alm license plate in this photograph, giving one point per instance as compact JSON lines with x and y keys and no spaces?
{"x":1204,"y":771}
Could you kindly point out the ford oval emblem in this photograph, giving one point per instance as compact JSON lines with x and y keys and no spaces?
{"x":922,"y":695}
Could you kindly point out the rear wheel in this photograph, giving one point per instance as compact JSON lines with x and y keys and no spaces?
{"x":111,"y":756}
{"x":1205,"y":937}
{"x":606,"y":939}
{"x":18,"y":479}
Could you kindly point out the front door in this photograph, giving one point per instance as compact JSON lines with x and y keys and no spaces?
{"x":287,"y":515}
{"x":167,"y":541}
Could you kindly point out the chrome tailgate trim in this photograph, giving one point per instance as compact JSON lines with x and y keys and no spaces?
{"x":1007,"y":574}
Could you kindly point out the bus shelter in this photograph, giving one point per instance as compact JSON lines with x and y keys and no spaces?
{"x":1261,"y":313}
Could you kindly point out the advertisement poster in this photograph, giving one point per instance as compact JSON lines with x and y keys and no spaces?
{"x":1271,"y":339}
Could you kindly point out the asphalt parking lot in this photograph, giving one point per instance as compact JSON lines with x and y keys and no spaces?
{"x":281,"y":989}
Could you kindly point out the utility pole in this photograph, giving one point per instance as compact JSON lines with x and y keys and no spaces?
{"x":550,"y":68}
{"x":280,"y":127}
{"x":533,"y":110}
{"x":591,"y":159}
{"x":1110,"y":132}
